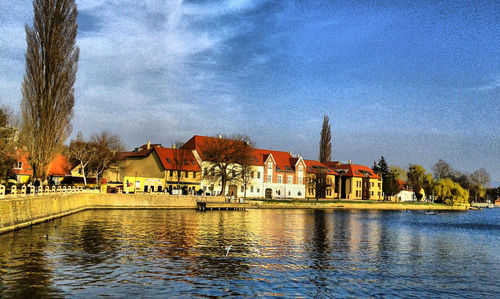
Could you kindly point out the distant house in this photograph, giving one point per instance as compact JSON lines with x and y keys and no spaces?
{"x":497,"y":202}
{"x":153,"y":168}
{"x":59,"y":168}
{"x":313,"y":168}
{"x":22,"y":169}
{"x":357,"y":181}
{"x":406,"y":193}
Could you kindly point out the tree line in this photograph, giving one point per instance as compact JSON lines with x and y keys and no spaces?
{"x":445,"y":184}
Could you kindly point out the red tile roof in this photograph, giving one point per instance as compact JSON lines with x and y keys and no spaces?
{"x":353,"y":170}
{"x":26,"y":168}
{"x":59,"y":166}
{"x":167,"y":157}
{"x":284,"y":161}
{"x":312,"y":166}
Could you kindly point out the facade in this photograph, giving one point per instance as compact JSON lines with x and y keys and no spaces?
{"x":284,"y":175}
{"x":153,"y":168}
{"x":273,"y":174}
{"x":357,"y":181}
{"x":237,"y":188}
{"x":313,"y":168}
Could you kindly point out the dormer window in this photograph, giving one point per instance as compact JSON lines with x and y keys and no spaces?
{"x":168,"y":160}
{"x":18,"y":165}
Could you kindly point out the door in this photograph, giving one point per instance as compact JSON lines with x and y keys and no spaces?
{"x":365,"y":191}
{"x":269,"y":193}
{"x":233,"y":191}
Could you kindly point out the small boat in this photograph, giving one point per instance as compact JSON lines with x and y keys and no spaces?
{"x":430,"y":213}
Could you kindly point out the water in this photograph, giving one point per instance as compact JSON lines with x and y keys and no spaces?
{"x":275,"y":253}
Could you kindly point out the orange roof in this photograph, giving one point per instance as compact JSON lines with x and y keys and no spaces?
{"x":26,"y":168}
{"x":353,"y":170}
{"x":312,"y":167}
{"x":59,"y":166}
{"x":167,"y":157}
{"x":199,"y":143}
{"x":284,"y":161}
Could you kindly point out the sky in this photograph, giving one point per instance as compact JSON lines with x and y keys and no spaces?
{"x":413,"y":81}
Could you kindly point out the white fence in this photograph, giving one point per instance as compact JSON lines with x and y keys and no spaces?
{"x":31,"y":190}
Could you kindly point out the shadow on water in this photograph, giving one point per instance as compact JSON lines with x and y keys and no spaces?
{"x":29,"y":274}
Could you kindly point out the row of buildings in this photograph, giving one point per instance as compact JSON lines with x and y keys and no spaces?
{"x":272,"y":174}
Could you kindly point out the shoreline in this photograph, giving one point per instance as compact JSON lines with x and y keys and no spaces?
{"x":21,"y":212}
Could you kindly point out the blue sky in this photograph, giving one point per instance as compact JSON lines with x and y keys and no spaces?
{"x":413,"y":81}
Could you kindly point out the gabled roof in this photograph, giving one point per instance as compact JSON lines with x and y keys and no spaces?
{"x":199,"y":143}
{"x":284,"y":161}
{"x":168,"y":156}
{"x":314,"y":166}
{"x":353,"y":170}
{"x":26,"y":168}
{"x":59,"y":166}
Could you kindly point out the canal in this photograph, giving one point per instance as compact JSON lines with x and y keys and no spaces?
{"x":289,"y":253}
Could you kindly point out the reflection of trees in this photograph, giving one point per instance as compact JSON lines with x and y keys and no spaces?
{"x":91,"y":246}
{"x":31,"y":278}
{"x":320,"y":254}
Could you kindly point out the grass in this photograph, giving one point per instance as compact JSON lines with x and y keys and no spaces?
{"x":345,"y":201}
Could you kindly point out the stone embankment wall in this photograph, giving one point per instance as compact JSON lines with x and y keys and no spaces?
{"x":17,"y":212}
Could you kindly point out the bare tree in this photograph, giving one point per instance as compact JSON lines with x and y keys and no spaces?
{"x":47,"y":90}
{"x":107,"y":148}
{"x":225,"y":155}
{"x":319,"y":181}
{"x":7,"y":143}
{"x":83,"y":153}
{"x":325,"y":145}
{"x":181,"y":157}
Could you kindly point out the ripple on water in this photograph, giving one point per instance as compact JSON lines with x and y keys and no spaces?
{"x":274,"y":253}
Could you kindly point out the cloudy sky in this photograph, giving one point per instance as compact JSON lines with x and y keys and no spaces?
{"x":413,"y":81}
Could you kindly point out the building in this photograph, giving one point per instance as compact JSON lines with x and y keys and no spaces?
{"x":406,"y":193}
{"x":284,"y":175}
{"x":272,"y":174}
{"x":315,"y":171}
{"x":153,"y":168}
{"x":357,"y":181}
{"x":249,"y":184}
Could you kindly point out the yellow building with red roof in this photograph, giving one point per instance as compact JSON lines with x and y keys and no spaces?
{"x":315,"y":171}
{"x":357,"y":181}
{"x":153,"y":168}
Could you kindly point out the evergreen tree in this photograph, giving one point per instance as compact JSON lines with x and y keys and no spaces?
{"x":325,"y":145}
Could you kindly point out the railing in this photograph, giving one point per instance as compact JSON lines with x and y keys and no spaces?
{"x":31,"y":190}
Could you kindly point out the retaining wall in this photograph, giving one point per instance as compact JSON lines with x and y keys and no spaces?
{"x":24,"y":211}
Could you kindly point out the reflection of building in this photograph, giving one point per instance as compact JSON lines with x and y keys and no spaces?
{"x":316,"y":172}
{"x":153,"y":168}
{"x":357,"y":181}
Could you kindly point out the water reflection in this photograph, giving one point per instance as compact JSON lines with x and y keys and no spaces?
{"x":312,"y":253}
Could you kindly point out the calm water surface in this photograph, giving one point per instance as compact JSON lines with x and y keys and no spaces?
{"x":274,"y":253}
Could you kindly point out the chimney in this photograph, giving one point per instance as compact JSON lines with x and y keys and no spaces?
{"x":173,"y":146}
{"x":149,"y":144}
{"x":220,"y":136}
{"x":350,"y":162}
{"x":290,"y":152}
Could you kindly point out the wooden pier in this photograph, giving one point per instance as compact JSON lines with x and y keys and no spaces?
{"x":209,"y":206}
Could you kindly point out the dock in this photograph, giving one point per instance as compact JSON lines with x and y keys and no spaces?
{"x":221,"y":206}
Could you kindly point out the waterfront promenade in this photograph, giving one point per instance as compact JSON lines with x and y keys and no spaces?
{"x":18,"y":212}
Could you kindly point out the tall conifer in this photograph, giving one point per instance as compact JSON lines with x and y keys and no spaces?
{"x":325,"y":145}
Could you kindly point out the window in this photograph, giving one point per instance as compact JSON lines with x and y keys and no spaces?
{"x":258,"y":174}
{"x":187,"y":174}
{"x":194,"y":175}
{"x":242,"y":189}
{"x":372,"y":184}
{"x":251,"y":188}
{"x":372,"y":193}
{"x":379,"y":184}
{"x":269,"y":178}
{"x":301,"y":168}
{"x":270,"y":166}
{"x":279,"y":179}
{"x":204,"y":171}
{"x":171,"y":173}
{"x":290,"y":179}
{"x":168,"y":160}
{"x":251,"y":174}
{"x":19,"y":165}
{"x":258,"y":190}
